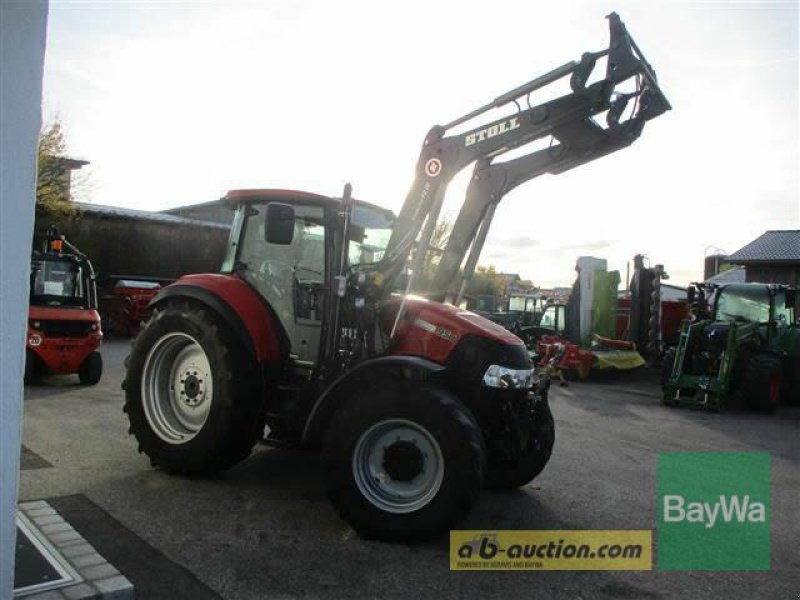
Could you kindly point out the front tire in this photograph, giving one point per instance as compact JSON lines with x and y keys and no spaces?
{"x":403,"y":462}
{"x":91,"y":369}
{"x":531,"y":461}
{"x":31,"y":367}
{"x":191,"y":392}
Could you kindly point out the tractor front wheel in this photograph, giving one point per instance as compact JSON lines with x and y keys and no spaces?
{"x":91,"y":369}
{"x":191,"y":392}
{"x":403,"y":462}
{"x":31,"y":367}
{"x":761,"y":382}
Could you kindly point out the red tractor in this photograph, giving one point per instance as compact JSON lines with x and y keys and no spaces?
{"x":63,"y":323}
{"x":415,"y":404}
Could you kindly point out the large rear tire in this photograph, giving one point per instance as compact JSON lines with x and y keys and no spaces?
{"x":403,"y":461}
{"x":508,"y":475}
{"x":191,"y":392}
{"x":91,"y":369}
{"x":761,"y":382}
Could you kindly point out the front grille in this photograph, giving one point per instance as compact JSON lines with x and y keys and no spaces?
{"x":72,"y":329}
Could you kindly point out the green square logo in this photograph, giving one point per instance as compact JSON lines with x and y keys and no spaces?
{"x":713,"y":511}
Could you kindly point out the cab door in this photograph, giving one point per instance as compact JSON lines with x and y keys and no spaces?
{"x":290,"y":276}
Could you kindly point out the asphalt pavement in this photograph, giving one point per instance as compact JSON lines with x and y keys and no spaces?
{"x":265,"y":528}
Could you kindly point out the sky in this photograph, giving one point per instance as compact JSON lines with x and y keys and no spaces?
{"x":175,"y":103}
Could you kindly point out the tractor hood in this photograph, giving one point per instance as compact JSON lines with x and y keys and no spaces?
{"x":432,"y":330}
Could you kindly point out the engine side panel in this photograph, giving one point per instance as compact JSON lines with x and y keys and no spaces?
{"x":432,"y":330}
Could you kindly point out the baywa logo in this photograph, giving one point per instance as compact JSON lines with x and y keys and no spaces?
{"x":713,"y":511}
{"x":728,"y":508}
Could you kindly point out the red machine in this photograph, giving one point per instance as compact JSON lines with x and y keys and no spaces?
{"x":128,"y":306}
{"x":63,"y":323}
{"x":416,"y":405}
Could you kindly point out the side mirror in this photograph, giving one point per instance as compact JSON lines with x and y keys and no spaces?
{"x":690,"y":295}
{"x":279,"y":225}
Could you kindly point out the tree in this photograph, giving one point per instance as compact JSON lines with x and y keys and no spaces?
{"x":485,"y":281}
{"x":53,"y":183}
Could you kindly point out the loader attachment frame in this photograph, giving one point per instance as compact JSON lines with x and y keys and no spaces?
{"x":569,"y":119}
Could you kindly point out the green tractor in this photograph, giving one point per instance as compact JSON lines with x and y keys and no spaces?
{"x":742,"y":347}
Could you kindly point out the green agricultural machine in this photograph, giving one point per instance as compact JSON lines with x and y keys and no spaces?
{"x":742,"y":347}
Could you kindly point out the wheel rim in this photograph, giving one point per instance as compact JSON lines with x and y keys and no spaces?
{"x":177,"y":388}
{"x":398,"y":466}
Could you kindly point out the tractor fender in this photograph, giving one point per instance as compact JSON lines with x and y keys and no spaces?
{"x":245,"y":312}
{"x":323,"y":409}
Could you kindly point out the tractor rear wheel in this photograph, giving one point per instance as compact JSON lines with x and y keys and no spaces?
{"x":403,"y":462}
{"x":191,"y":392}
{"x":91,"y":369}
{"x":509,"y":475}
{"x":761,"y":382}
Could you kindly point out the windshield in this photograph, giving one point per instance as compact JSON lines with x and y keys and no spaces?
{"x":56,"y":282}
{"x":744,"y":304}
{"x":369,"y":233}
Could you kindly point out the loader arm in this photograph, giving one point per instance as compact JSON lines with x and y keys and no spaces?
{"x":492,"y":181}
{"x":444,"y":154}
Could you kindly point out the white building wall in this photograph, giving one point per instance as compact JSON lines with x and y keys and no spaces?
{"x":23,"y":27}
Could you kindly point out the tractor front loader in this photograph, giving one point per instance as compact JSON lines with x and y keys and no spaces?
{"x":743,"y":347}
{"x":416,"y":405}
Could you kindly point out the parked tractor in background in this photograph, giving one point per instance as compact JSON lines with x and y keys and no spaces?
{"x":64,"y":330}
{"x":415,"y":404}
{"x":743,"y":346}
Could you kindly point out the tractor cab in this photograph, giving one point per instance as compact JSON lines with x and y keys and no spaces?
{"x":287,"y":247}
{"x":63,"y":323}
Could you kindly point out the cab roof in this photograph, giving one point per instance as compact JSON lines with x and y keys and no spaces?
{"x":256,"y":196}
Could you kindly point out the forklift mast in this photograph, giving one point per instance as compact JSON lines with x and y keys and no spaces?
{"x":568,"y":119}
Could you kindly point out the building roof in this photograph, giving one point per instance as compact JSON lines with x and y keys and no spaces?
{"x":200,"y":205}
{"x":145,"y":215}
{"x":777,"y":246}
{"x":734,"y":275}
{"x":70,"y":164}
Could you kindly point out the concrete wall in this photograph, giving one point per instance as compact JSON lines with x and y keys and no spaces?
{"x":23,"y":27}
{"x":119,"y":245}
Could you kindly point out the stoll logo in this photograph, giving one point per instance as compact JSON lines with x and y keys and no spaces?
{"x":713,"y":511}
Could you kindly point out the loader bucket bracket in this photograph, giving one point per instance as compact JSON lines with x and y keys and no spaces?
{"x":625,"y":60}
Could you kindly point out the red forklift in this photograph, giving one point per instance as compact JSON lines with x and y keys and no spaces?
{"x":63,"y":323}
{"x":309,"y":331}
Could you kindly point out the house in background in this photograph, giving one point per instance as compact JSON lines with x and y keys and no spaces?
{"x":773,"y":257}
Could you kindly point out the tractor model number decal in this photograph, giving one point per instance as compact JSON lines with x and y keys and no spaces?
{"x":431,"y":328}
{"x":445,"y":333}
{"x":491,"y":131}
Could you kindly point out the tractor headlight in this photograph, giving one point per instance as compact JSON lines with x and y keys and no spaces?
{"x":505,"y":378}
{"x":35,"y":340}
